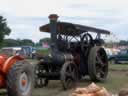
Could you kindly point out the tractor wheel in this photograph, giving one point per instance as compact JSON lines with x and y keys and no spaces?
{"x":97,"y":64}
{"x":69,"y":75}
{"x":20,"y":79}
{"x":39,"y":81}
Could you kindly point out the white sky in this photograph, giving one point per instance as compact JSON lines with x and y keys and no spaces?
{"x":25,"y":16}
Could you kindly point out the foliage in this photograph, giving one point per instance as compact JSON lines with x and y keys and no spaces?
{"x":26,"y":42}
{"x":123,"y":42}
{"x":10,"y":42}
{"x":120,"y":43}
{"x":4,"y":29}
{"x":44,"y":40}
{"x":18,"y":42}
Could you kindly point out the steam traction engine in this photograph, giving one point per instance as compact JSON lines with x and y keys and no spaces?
{"x":74,"y":54}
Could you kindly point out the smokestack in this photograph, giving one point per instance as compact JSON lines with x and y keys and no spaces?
{"x":53,"y":29}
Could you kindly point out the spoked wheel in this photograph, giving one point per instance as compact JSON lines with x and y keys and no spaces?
{"x":86,"y":40}
{"x":20,"y":79}
{"x":39,"y":81}
{"x":97,"y":64}
{"x":69,"y":75}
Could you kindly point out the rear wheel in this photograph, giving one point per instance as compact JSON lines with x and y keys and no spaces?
{"x":97,"y":64}
{"x":20,"y":79}
{"x":69,"y":75}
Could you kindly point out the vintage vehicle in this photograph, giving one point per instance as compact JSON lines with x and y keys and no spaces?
{"x":16,"y":74}
{"x":119,"y":58}
{"x":25,"y":51}
{"x":10,"y":51}
{"x":74,"y":54}
{"x":30,"y":51}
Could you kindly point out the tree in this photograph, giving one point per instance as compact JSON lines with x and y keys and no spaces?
{"x":44,"y":40}
{"x":123,"y":42}
{"x":11,"y":42}
{"x":4,"y":29}
{"x":27,"y":42}
{"x":18,"y":42}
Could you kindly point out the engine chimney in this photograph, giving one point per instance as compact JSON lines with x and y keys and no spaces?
{"x":53,"y":29}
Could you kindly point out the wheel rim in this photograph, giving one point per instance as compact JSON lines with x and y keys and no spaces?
{"x":24,"y":83}
{"x":86,"y":38}
{"x":69,"y":76}
{"x":101,"y":64}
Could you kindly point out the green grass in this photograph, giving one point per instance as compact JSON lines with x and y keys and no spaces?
{"x":118,"y":67}
{"x":43,"y":51}
{"x":117,"y":78}
{"x":116,"y":81}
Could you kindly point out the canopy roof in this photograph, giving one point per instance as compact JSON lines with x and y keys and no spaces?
{"x":65,"y":28}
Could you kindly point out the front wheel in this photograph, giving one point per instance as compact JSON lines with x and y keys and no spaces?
{"x":69,"y":75}
{"x":20,"y":79}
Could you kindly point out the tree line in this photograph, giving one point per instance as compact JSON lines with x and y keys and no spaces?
{"x":28,"y":42}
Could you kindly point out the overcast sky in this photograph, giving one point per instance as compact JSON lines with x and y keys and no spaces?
{"x":25,"y":16}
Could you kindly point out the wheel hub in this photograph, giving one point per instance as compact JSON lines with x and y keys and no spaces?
{"x":24,"y":83}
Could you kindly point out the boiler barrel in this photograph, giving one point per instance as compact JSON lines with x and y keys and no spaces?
{"x":61,"y":58}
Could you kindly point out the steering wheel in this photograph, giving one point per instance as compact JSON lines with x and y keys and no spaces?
{"x":86,"y":41}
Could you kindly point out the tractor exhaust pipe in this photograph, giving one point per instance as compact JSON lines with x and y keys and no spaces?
{"x":53,"y":29}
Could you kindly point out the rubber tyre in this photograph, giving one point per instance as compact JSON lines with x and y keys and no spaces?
{"x":13,"y":79}
{"x":92,"y":65}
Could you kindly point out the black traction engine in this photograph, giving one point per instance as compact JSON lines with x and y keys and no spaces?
{"x":74,"y":53}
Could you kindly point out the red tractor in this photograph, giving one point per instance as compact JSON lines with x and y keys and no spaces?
{"x":16,"y":75}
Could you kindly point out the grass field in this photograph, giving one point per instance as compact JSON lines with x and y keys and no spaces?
{"x":117,"y":79}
